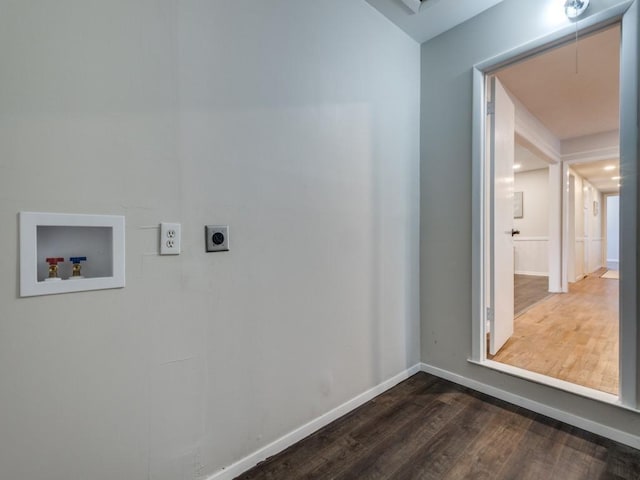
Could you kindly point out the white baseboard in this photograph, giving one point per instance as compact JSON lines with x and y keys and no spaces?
{"x":307,"y":429}
{"x":527,"y":272}
{"x":613,"y":264}
{"x":311,"y":427}
{"x":541,"y":408}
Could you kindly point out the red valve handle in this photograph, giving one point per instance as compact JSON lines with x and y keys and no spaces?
{"x":54,"y":260}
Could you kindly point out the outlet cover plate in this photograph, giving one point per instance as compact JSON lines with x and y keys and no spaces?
{"x":217,"y":238}
{"x":170,"y":238}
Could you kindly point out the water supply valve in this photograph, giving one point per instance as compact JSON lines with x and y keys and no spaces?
{"x":53,"y":267}
{"x":75,"y":273}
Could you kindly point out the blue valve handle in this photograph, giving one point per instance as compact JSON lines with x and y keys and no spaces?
{"x":77,"y":259}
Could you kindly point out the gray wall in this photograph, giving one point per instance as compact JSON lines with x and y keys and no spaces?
{"x":445,"y":245}
{"x":296,"y":123}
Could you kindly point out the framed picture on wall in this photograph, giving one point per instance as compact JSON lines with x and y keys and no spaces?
{"x":517,"y":205}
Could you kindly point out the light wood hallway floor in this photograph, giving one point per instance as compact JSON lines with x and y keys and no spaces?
{"x":571,"y":336}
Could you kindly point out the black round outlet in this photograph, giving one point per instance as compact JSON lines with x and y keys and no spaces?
{"x":217,"y":238}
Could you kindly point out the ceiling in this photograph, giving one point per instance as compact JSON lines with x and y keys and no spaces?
{"x":572,"y":89}
{"x":527,"y":160}
{"x":571,"y":104}
{"x":603,"y":180}
{"x":434,"y":17}
{"x":602,"y":174}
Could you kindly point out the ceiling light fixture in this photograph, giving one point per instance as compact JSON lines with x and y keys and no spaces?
{"x":615,"y":178}
{"x":610,"y":167}
{"x":575,"y":8}
{"x":517,"y":166}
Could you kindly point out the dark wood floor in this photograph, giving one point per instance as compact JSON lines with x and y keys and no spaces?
{"x":428,"y":428}
{"x":527,"y":291}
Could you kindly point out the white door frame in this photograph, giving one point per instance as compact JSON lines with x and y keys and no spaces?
{"x":628,"y":13}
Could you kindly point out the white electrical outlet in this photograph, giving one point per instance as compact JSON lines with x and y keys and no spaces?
{"x":169,"y":239}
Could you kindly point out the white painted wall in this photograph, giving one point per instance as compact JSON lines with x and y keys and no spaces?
{"x":589,"y":244}
{"x":531,"y":246}
{"x":592,"y":226}
{"x":613,"y":231}
{"x":586,"y":235}
{"x":446,"y":198}
{"x":597,"y":146}
{"x":296,"y":123}
{"x":535,"y":187}
{"x":597,"y":259}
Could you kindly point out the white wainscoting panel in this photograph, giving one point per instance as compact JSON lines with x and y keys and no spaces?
{"x":531,"y":255}
{"x":595,"y":254}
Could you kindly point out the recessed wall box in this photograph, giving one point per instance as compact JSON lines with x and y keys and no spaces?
{"x":216,"y":238}
{"x":99,"y":238}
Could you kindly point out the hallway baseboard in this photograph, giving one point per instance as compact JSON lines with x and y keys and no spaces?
{"x":532,"y":273}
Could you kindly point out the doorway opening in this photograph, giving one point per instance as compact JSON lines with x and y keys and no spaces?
{"x":553,"y":164}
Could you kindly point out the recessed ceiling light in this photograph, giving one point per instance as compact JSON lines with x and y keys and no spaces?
{"x":517,"y":166}
{"x":618,"y":184}
{"x":615,"y":178}
{"x":610,"y":167}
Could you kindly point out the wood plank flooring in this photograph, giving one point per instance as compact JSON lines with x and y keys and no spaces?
{"x":429,"y":428}
{"x":528,"y":290}
{"x":571,"y":336}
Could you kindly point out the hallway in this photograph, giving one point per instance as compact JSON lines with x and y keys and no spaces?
{"x":571,"y":337}
{"x":528,"y":290}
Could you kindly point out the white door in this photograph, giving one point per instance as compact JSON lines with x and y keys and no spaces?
{"x":502,"y":150}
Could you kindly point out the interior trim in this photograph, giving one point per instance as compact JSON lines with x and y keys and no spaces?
{"x":537,"y":407}
{"x":542,"y":379}
{"x":311,"y":427}
{"x":628,"y":13}
{"x":278,"y":445}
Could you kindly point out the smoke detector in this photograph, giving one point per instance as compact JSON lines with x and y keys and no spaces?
{"x":574,"y":8}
